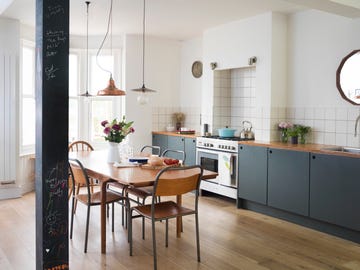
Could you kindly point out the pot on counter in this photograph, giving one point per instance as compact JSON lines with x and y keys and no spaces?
{"x":226,"y":132}
{"x":246,"y":132}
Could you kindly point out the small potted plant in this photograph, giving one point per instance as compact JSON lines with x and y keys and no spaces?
{"x":293,"y":133}
{"x":302,"y":131}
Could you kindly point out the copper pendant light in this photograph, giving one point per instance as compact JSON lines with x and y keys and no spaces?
{"x":142,"y":99}
{"x":87,"y":94}
{"x":111,"y":89}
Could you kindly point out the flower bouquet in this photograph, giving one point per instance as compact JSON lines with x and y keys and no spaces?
{"x":284,"y":128}
{"x":115,"y":132}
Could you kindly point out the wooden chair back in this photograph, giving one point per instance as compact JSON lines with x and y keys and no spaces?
{"x":78,"y":174}
{"x":168,"y":185}
{"x":77,"y":146}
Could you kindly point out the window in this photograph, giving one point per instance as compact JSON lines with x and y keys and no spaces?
{"x":27,"y":82}
{"x":86,"y":113}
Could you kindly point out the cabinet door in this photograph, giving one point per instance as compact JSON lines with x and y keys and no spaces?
{"x":190,"y":151}
{"x":160,"y":140}
{"x":252,"y":183}
{"x":288,"y":180}
{"x":175,"y":143}
{"x":335,"y":189}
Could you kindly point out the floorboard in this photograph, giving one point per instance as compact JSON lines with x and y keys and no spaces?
{"x":230,"y":238}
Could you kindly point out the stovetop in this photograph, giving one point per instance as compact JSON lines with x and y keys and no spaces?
{"x":228,"y":138}
{"x":227,"y":144}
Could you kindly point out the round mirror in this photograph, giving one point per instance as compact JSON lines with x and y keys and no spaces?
{"x":347,"y":77}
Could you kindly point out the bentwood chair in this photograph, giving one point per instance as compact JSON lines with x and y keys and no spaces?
{"x":77,"y":146}
{"x":170,"y":181}
{"x":144,"y":192}
{"x":79,"y":176}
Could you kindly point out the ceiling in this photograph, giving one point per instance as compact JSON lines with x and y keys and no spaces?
{"x":175,"y":19}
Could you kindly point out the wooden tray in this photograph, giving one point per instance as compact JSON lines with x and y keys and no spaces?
{"x":151,"y":167}
{"x":186,"y":132}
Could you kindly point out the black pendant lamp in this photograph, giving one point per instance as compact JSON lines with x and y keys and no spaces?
{"x":142,"y":98}
{"x":111,"y":89}
{"x":87,"y":94}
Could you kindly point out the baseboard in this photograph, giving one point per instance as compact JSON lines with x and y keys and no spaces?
{"x":10,"y":192}
{"x":28,"y":187}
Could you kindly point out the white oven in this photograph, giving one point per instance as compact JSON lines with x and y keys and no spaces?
{"x":222,"y":157}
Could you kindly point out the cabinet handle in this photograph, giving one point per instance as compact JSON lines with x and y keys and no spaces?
{"x":270,"y":151}
{"x":194,"y":140}
{"x":182,"y":139}
{"x":241,"y":147}
{"x":313,"y":157}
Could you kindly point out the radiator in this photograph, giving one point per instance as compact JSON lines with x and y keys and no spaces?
{"x":8,"y":118}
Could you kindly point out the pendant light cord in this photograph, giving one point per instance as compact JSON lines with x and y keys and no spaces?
{"x":103,"y":41}
{"x":143,"y":37}
{"x":87,"y":47}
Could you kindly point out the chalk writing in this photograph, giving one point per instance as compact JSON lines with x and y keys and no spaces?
{"x":54,"y":10}
{"x":54,"y":38}
{"x":50,"y":72}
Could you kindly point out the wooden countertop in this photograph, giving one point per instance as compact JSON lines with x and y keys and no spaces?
{"x":308,"y":147}
{"x":174,"y":133}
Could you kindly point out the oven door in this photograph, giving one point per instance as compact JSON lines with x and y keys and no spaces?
{"x":208,"y":160}
{"x":228,"y":169}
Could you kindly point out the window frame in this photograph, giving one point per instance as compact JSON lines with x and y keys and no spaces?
{"x":28,"y":148}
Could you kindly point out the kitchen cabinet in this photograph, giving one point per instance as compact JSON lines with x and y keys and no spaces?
{"x":186,"y":144}
{"x":288,"y":180}
{"x":252,"y":182}
{"x":190,"y":150}
{"x":160,"y":140}
{"x":334,"y":190}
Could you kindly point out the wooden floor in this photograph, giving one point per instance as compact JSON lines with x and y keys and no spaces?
{"x":230,"y":239}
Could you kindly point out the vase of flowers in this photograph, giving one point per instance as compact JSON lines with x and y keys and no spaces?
{"x":283,"y":127}
{"x":179,"y":117}
{"x":115,"y":132}
{"x":303,"y":130}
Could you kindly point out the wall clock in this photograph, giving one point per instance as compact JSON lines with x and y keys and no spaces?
{"x":196,"y":69}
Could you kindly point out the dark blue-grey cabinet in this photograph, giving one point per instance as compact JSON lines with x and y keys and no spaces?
{"x":335,"y":190}
{"x":160,"y":140}
{"x":177,"y":143}
{"x":190,"y":150}
{"x":288,"y":180}
{"x":252,"y":182}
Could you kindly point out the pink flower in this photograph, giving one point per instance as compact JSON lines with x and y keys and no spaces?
{"x":132,"y":130}
{"x":107,"y":130}
{"x":116,"y":127}
{"x":103,"y":123}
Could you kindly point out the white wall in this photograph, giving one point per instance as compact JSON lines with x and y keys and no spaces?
{"x":231,"y":45}
{"x":162,"y":73}
{"x":9,"y":108}
{"x":317,"y":43}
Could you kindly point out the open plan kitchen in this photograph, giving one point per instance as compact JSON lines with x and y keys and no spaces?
{"x":158,"y":134}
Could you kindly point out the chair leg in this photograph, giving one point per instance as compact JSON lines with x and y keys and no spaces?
{"x":197,"y":236}
{"x":87,"y":228}
{"x":112,"y":216}
{"x":167,"y":233}
{"x":154,"y":243}
{"x":72,"y":217}
{"x":107,"y":210}
{"x":130,"y":231}
{"x":77,"y":191}
{"x":143,"y":223}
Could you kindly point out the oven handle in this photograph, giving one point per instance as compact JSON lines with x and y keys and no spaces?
{"x":232,"y":167}
{"x":207,"y":151}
